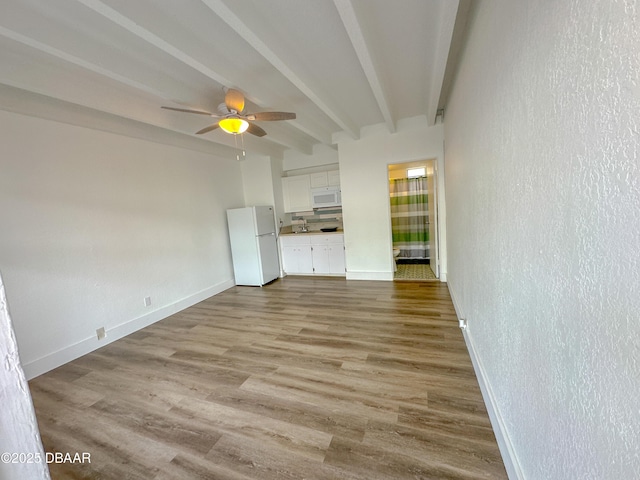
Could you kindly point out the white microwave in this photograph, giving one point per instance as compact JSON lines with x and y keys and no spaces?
{"x":326,"y":197}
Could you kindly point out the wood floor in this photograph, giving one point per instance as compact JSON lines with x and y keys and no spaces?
{"x":305,"y":378}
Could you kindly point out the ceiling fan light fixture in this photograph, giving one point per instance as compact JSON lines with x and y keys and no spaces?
{"x":234,"y":125}
{"x":233,"y":121}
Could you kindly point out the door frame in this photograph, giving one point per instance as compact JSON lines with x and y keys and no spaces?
{"x":432,"y":199}
{"x":430,"y":162}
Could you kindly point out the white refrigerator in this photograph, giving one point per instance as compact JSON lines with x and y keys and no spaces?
{"x":252,"y":231}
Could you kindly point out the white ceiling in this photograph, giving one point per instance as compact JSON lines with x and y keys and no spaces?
{"x":340,"y":65}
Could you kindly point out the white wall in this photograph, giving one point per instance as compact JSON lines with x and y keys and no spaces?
{"x":276,"y":183}
{"x":261,"y":178}
{"x":543,"y":200}
{"x":364,"y":181}
{"x":93,"y":222}
{"x":322,"y":155}
{"x":257,"y":180}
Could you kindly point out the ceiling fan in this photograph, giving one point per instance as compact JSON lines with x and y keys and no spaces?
{"x":233,"y":120}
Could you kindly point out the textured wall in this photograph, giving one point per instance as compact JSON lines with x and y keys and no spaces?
{"x":18,"y":426}
{"x":543,"y":201}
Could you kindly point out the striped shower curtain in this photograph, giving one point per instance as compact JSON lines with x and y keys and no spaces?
{"x":409,"y":217}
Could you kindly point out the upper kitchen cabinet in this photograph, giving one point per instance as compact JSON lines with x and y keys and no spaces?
{"x":325,"y":179}
{"x":333,"y":178}
{"x":296,"y":192}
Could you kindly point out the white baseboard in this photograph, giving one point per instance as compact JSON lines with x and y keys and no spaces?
{"x":67,"y":354}
{"x":507,"y":451}
{"x":384,"y":276}
{"x":456,"y":304}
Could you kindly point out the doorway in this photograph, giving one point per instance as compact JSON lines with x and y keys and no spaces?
{"x":412,"y":197}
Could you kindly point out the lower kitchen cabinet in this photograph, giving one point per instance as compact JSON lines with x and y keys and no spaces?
{"x":297,"y":259}
{"x":313,"y":254}
{"x":328,"y":259}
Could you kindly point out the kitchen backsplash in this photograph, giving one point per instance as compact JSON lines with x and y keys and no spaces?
{"x":317,"y":219}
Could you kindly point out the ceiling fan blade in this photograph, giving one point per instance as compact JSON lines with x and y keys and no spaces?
{"x":186,"y":110}
{"x":234,"y":100}
{"x":256,"y":130}
{"x":271,"y":116}
{"x":207,"y":129}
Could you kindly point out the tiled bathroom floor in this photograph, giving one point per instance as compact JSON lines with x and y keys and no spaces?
{"x":414,"y":272}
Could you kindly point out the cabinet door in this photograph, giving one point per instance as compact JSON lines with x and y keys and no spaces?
{"x":333,"y":178}
{"x":296,"y":259}
{"x":328,"y":255}
{"x":289,"y":259}
{"x":318,"y":179}
{"x":320,"y":255}
{"x":296,"y":192}
{"x":335,"y":254}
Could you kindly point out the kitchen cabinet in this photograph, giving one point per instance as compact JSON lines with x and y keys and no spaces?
{"x":333,"y":178}
{"x":318,"y":179}
{"x":297,"y":259}
{"x":325,"y":179}
{"x":327,"y":252}
{"x":296,"y":192}
{"x":296,"y":254}
{"x":313,"y":254}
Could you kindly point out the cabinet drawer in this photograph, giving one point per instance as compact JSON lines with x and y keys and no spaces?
{"x":291,"y":240}
{"x":327,"y":239}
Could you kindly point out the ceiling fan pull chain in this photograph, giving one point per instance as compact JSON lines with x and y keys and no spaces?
{"x":241,"y":149}
{"x":235,"y":139}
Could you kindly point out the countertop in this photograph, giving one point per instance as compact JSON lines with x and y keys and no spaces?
{"x":289,"y":231}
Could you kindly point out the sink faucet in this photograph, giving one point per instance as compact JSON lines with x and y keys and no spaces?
{"x":304,"y":226}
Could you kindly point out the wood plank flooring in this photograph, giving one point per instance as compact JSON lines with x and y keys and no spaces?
{"x":305,"y":378}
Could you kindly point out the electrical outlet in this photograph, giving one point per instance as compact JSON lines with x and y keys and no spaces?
{"x":147,"y":301}
{"x":101,"y":333}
